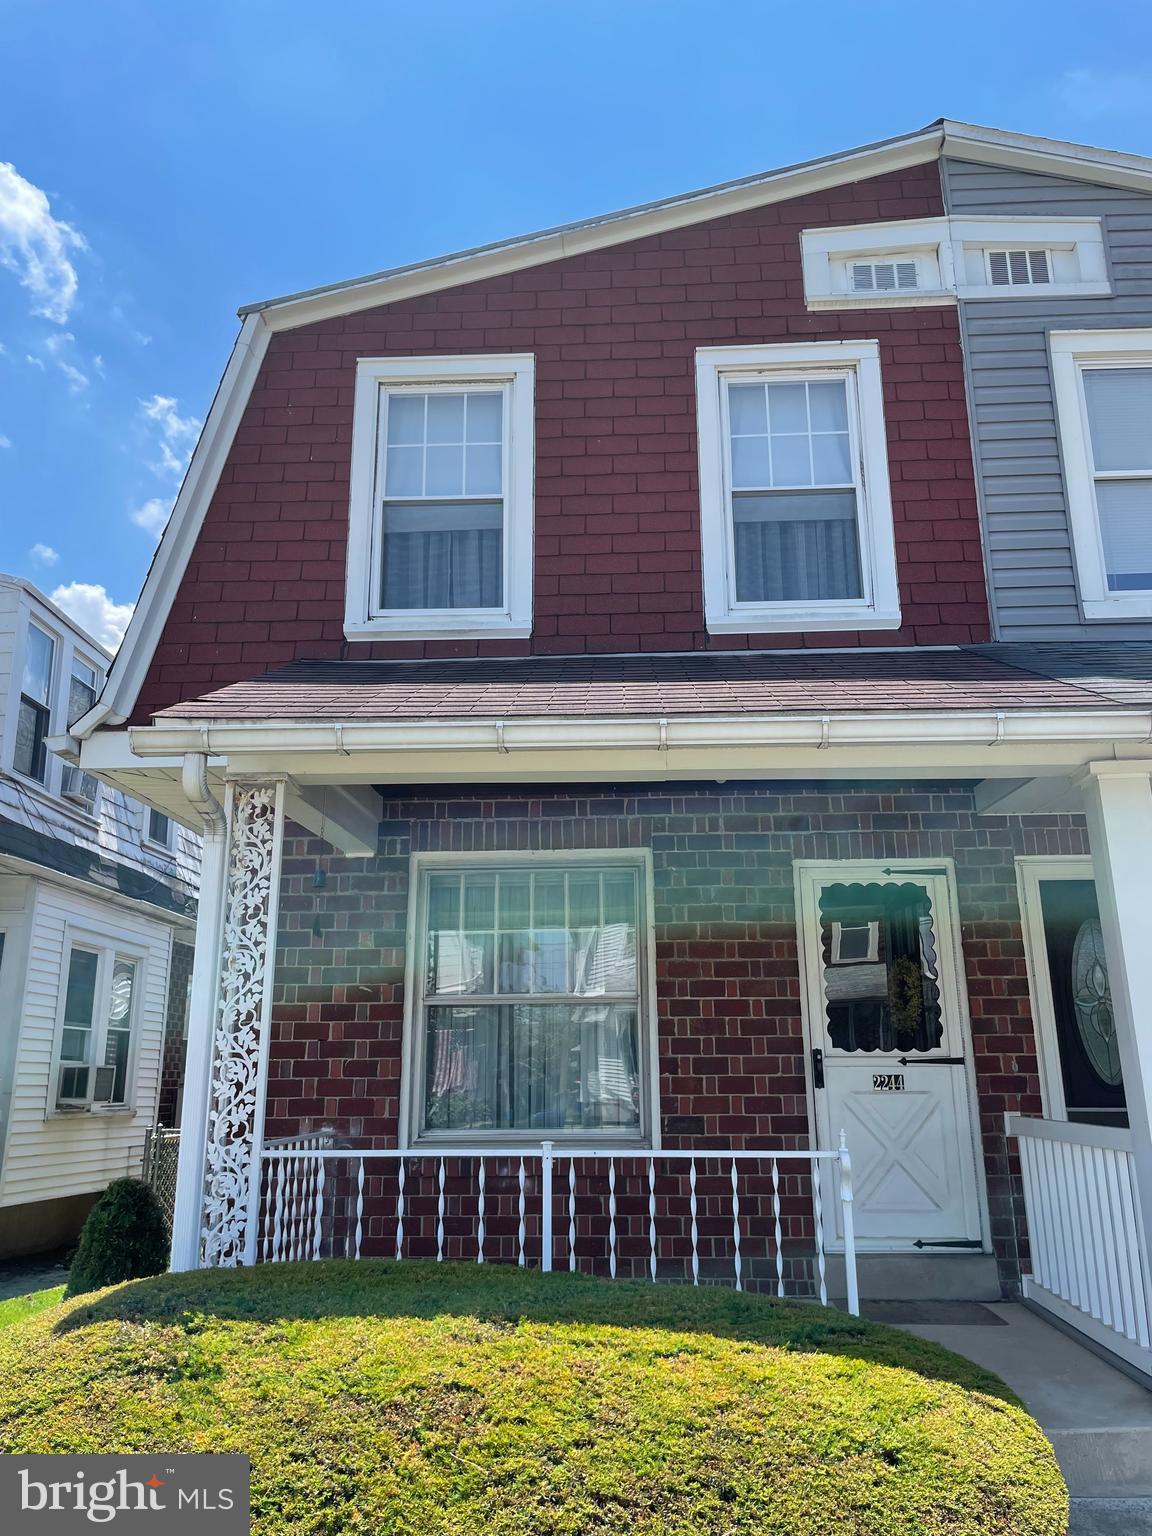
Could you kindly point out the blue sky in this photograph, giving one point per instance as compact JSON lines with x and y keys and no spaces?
{"x":163,"y":162}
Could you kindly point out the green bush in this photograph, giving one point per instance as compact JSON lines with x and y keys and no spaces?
{"x":422,"y":1400}
{"x":124,"y":1238}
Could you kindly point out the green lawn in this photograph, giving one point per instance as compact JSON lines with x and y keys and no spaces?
{"x":17,"y":1308}
{"x":426,"y":1400}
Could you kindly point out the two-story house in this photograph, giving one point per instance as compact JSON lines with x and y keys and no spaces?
{"x":669,"y":703}
{"x":97,"y":910}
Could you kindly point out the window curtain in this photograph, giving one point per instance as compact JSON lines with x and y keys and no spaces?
{"x":790,"y":561}
{"x":455,"y":568}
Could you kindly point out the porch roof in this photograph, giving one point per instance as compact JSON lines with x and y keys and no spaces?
{"x":989,"y":677}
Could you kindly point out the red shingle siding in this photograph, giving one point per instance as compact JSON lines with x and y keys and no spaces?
{"x":617,"y":516}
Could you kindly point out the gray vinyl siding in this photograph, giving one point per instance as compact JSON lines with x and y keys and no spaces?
{"x":1032,"y":576}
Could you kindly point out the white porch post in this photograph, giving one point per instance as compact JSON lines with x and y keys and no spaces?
{"x":218,"y":1183}
{"x":1118,"y":805}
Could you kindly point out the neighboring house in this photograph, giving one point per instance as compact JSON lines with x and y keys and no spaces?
{"x":636,"y":746}
{"x":97,"y":908}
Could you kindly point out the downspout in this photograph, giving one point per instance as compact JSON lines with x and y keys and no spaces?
{"x":194,"y":782}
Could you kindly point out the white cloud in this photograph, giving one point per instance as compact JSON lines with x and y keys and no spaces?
{"x":35,"y":247}
{"x":43,"y":554}
{"x":178,"y":434}
{"x":35,"y":362}
{"x":5,"y":442}
{"x":1102,"y":93}
{"x":94,"y":611}
{"x":152,"y":516}
{"x":77,"y":381}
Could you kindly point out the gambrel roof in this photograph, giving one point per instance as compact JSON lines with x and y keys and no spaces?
{"x":941,"y":138}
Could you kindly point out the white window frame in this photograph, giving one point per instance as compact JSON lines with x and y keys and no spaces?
{"x":68,"y":648}
{"x":363,"y":617}
{"x":951,"y":257}
{"x":411,"y":1132}
{"x":1072,"y":352}
{"x":110,"y":948}
{"x":146,"y":837}
{"x":1031,"y":871}
{"x":859,"y":363}
{"x":51,"y":704}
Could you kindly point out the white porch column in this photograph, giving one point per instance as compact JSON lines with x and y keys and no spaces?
{"x":218,"y":1182}
{"x":1118,"y":804}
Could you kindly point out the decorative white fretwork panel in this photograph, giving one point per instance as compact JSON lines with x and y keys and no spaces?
{"x":240,"y":1040}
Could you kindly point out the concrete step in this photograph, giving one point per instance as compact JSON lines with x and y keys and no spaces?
{"x":1111,"y":1517}
{"x":919,"y":1276}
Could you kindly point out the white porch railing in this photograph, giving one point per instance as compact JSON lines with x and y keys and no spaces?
{"x":1089,"y":1260}
{"x":710,"y":1214}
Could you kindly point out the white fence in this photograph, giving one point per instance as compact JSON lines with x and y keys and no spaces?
{"x":751,"y":1217}
{"x":1089,"y":1262}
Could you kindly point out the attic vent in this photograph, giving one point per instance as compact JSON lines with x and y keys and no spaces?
{"x":1018,"y":269}
{"x":883,"y":276}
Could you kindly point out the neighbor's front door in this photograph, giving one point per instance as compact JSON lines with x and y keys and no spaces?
{"x":889,"y":1045}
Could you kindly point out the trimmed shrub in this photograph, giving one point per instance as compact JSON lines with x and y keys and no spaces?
{"x":124,"y":1238}
{"x":418,"y":1399}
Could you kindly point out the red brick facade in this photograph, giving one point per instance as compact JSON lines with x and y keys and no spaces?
{"x":617,"y":564}
{"x":730,"y":1035}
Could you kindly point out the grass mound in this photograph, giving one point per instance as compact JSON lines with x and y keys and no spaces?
{"x":426,"y":1400}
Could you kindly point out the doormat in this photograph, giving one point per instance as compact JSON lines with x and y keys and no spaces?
{"x":956,"y":1314}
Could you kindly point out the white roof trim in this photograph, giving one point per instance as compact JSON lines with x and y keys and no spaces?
{"x":126,"y":676}
{"x":1050,"y":157}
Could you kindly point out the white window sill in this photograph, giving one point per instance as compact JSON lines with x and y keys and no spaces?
{"x":1038,"y":291}
{"x":87,"y":1111}
{"x":437,"y":626}
{"x":1138,"y":605}
{"x":763,"y":621}
{"x":77,"y":809}
{"x":918,"y":298}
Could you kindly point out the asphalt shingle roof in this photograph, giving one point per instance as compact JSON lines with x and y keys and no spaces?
{"x":997,"y":677}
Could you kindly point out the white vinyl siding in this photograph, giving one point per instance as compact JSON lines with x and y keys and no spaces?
{"x":49,"y":1155}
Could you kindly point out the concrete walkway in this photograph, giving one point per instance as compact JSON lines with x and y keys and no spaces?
{"x":1098,"y":1419}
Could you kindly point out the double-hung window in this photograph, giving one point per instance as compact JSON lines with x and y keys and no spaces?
{"x":441,"y":498}
{"x":794,"y":493}
{"x":97,"y":1018}
{"x":83,"y":685}
{"x":528,"y":989}
{"x":34,"y":714}
{"x":1103,"y":382}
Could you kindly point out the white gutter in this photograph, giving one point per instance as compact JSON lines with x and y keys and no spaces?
{"x":194,"y":782}
{"x":979,"y":727}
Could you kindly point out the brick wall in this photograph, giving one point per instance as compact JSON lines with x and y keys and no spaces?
{"x":175,"y":1021}
{"x":730,"y":1033}
{"x":617,"y":563}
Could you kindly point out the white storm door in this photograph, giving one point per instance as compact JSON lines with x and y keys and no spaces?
{"x":890,"y":1050}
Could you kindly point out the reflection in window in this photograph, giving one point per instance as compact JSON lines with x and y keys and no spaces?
{"x":531,"y":1000}
{"x":881,"y":976}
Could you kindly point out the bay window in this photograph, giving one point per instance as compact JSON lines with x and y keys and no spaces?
{"x":441,"y":497}
{"x":528,"y":992}
{"x":795,"y":502}
{"x":1103,"y":382}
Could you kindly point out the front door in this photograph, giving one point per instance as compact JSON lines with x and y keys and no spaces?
{"x":889,"y":1044}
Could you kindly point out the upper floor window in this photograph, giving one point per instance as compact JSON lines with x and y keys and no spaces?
{"x":34,"y":716}
{"x":159,"y":828}
{"x":1103,"y":385}
{"x":795,"y":503}
{"x":83,"y":686}
{"x":441,"y":498}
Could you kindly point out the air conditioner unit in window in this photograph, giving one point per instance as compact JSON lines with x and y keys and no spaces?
{"x":104,"y":1086}
{"x":884,"y":276}
{"x":78,"y":786}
